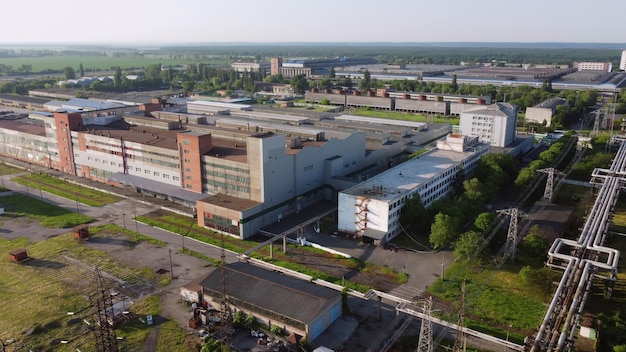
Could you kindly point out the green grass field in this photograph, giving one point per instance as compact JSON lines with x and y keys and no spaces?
{"x":46,"y":214}
{"x":67,"y":190}
{"x":394,"y":115}
{"x":59,"y":275}
{"x":96,"y":63}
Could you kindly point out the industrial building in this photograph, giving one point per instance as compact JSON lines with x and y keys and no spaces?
{"x":425,"y":103}
{"x":262,"y":66}
{"x":309,"y":67}
{"x":543,"y":112}
{"x":493,"y":124}
{"x":299,"y":307}
{"x":622,"y":61}
{"x":239,"y":170}
{"x":371,"y":209}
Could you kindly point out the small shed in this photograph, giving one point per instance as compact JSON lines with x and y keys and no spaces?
{"x":81,"y":232}
{"x":18,"y":255}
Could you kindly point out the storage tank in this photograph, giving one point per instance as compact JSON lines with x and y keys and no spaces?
{"x":315,"y":90}
{"x":327,"y":90}
{"x":370,"y":93}
{"x":356,"y":92}
{"x":406,"y":96}
{"x":480,"y":101}
{"x":439,"y":98}
{"x":421,"y":97}
{"x":462,"y":100}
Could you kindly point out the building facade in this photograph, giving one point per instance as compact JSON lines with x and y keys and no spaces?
{"x":543,"y":112}
{"x":263,"y":66}
{"x":493,"y":124}
{"x":593,"y":66}
{"x":371,"y":209}
{"x":622,"y":62}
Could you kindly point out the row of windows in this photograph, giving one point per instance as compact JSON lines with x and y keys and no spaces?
{"x":214,"y":174}
{"x":155,"y":173}
{"x":225,"y":185}
{"x":226,"y":167}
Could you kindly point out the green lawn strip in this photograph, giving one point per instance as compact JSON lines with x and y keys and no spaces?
{"x":8,"y":170}
{"x":494,"y":299}
{"x":66,"y":189}
{"x":133,"y":236}
{"x":212,"y":261}
{"x":394,"y":115}
{"x":182,"y":225}
{"x":46,"y":214}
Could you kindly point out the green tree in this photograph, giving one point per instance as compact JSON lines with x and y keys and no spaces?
{"x":117,"y":77}
{"x":534,"y":244}
{"x":81,"y":70}
{"x":443,"y":231}
{"x":299,"y":84}
{"x":414,"y":216}
{"x":188,"y":86}
{"x":483,"y":220}
{"x":273,"y":78}
{"x":468,"y":244}
{"x":538,"y":281}
{"x":346,"y":82}
{"x":473,"y":190}
{"x":366,"y":82}
{"x":454,"y":86}
{"x":69,"y":73}
{"x":324,"y":102}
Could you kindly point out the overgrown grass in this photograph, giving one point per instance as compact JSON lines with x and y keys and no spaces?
{"x":59,"y":276}
{"x":46,"y":214}
{"x":494,"y":299}
{"x":172,"y":338}
{"x":136,"y":331}
{"x":188,"y":228}
{"x":67,"y":190}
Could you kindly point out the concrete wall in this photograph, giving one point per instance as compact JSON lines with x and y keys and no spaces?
{"x":410,"y":105}
{"x":539,"y":115}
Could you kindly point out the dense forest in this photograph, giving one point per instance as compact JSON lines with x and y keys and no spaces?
{"x":441,"y":53}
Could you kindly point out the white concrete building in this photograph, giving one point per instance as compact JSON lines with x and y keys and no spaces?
{"x":371,"y":209}
{"x":622,"y":62}
{"x":493,"y":124}
{"x":544,"y":111}
{"x":263,"y":66}
{"x":594,"y":66}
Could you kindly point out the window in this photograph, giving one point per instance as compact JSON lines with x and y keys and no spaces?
{"x":166,"y":176}
{"x":138,"y":169}
{"x":156,"y":173}
{"x":186,"y":142}
{"x":146,"y":171}
{"x":175,"y":178}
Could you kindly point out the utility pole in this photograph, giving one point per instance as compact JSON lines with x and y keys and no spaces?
{"x":459,"y":338}
{"x":106,"y":341}
{"x":425,"y":343}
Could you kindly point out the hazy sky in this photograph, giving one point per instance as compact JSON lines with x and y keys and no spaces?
{"x":184,"y":21}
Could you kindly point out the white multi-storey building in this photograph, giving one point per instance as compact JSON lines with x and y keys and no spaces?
{"x":371,"y":209}
{"x":593,"y":66}
{"x":263,"y":66}
{"x":622,"y":62}
{"x":493,"y":124}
